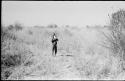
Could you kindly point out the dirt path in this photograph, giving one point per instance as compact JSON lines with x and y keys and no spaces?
{"x":66,"y":69}
{"x":69,"y":70}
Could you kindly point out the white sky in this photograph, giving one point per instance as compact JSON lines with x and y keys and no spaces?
{"x":76,"y":13}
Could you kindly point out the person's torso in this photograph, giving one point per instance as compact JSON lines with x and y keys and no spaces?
{"x":54,"y":41}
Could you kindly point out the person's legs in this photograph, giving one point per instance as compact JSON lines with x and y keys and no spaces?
{"x":55,"y":49}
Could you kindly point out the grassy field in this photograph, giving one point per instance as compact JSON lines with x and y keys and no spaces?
{"x":27,"y":54}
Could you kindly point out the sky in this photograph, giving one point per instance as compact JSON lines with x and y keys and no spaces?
{"x":73,"y":13}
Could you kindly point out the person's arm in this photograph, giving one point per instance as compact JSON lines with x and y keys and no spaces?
{"x":56,"y":39}
{"x":53,"y":40}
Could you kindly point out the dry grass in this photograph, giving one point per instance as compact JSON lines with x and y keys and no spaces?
{"x":26,"y":52}
{"x":13,"y":52}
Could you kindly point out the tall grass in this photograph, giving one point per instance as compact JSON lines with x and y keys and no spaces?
{"x":13,"y":52}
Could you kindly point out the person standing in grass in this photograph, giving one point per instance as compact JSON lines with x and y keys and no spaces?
{"x":54,"y":43}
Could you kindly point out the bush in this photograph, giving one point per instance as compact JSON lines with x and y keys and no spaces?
{"x":18,"y":26}
{"x":116,"y":38}
{"x":13,"y":52}
{"x":15,"y":27}
{"x":52,"y":26}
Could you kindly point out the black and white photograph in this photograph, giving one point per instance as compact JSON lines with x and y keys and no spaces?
{"x":63,"y":40}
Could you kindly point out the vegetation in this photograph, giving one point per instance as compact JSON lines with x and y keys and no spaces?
{"x":78,"y":51}
{"x":13,"y":52}
{"x":116,"y":38}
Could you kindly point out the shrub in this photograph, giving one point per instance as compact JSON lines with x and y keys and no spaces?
{"x":13,"y":52}
{"x":116,"y":38}
{"x":52,"y":26}
{"x":18,"y":26}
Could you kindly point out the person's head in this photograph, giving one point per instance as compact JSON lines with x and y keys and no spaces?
{"x":54,"y":35}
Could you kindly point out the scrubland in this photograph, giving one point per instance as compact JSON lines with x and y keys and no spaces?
{"x":26,"y":53}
